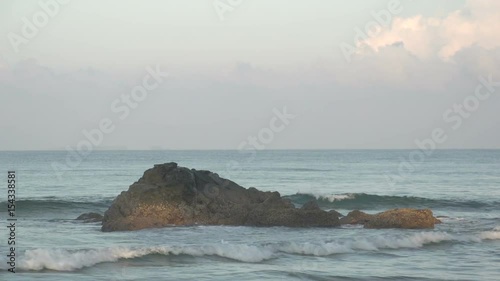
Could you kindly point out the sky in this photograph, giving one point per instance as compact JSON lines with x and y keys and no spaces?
{"x":241,"y":74}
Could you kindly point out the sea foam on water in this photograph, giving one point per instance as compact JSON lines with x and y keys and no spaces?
{"x":71,"y":260}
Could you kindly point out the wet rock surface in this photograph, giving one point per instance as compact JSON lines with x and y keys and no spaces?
{"x":168,"y":195}
{"x":396,"y":218}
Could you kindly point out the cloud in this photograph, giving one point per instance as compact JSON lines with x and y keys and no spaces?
{"x":476,"y":24}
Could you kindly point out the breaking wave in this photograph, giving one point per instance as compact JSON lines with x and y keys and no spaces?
{"x":67,"y":260}
{"x":365,"y":201}
{"x":71,"y":260}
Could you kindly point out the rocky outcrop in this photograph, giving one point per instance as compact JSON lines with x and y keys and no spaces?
{"x":171,"y":195}
{"x":90,"y":217}
{"x":403,"y":218}
{"x":396,"y":218}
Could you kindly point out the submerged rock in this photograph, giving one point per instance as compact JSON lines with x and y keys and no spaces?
{"x":90,"y":217}
{"x":396,"y":218}
{"x":171,"y":195}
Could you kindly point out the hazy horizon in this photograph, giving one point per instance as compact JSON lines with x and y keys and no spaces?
{"x":275,"y":149}
{"x":251,"y":75}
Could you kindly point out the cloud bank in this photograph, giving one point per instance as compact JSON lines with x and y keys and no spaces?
{"x":476,"y":24}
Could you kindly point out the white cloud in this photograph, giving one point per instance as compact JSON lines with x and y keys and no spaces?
{"x":476,"y":24}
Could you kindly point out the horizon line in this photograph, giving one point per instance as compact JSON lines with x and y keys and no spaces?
{"x":274,"y":149}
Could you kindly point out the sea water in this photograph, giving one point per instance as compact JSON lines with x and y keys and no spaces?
{"x":461,"y":186}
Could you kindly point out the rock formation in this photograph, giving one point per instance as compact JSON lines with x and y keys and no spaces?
{"x":397,"y":218}
{"x":170,"y":195}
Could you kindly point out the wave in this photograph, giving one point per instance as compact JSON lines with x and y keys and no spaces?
{"x":374,"y":244}
{"x":351,"y":201}
{"x":66,"y":260}
{"x":347,"y":201}
{"x":46,"y":204}
{"x":71,"y":260}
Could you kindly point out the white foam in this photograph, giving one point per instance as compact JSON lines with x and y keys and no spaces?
{"x":314,"y":249}
{"x":450,"y":219}
{"x":244,"y":253}
{"x":417,"y":240}
{"x":366,"y":244}
{"x":334,"y":197}
{"x":352,"y":226}
{"x":490,"y":235}
{"x":496,"y":228}
{"x":64,"y":260}
{"x":67,"y":260}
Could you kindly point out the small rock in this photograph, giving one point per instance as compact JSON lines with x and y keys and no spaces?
{"x":403,"y":218}
{"x":90,"y":217}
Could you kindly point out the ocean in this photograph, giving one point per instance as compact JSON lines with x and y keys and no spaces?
{"x":461,"y":186}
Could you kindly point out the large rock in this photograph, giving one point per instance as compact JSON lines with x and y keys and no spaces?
{"x":396,"y":218}
{"x":171,"y":195}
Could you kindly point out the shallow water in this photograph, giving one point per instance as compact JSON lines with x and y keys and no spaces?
{"x":463,"y":185}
